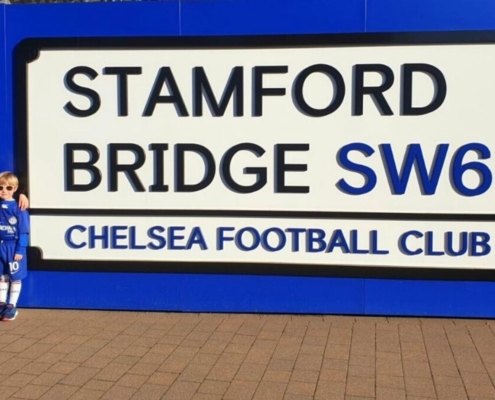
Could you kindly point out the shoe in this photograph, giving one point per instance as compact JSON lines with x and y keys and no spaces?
{"x":10,"y":313}
{"x":3,"y":308}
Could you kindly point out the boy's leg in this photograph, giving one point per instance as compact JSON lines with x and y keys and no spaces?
{"x":11,"y":312}
{"x":4,"y":277}
{"x":15,"y":291}
{"x":4,"y":288}
{"x":17,"y":272}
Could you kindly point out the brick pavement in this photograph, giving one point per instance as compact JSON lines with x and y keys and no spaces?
{"x":50,"y":354}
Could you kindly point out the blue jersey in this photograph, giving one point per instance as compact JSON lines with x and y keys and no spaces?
{"x":14,"y":225}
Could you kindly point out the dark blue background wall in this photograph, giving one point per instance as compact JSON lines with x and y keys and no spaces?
{"x":198,"y":292}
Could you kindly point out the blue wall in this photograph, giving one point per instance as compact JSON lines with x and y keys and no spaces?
{"x":243,"y":293}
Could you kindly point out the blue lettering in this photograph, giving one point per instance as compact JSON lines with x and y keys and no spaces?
{"x":196,"y":237}
{"x":114,"y":236}
{"x":338,"y":240}
{"x":367,"y":173}
{"x":132,"y":240}
{"x":153,"y":235}
{"x":449,"y":244}
{"x":374,"y":244}
{"x":68,"y":237}
{"x":282,"y":240}
{"x":479,"y":239}
{"x":429,"y":246}
{"x":93,"y":237}
{"x":172,"y":237}
{"x":221,"y":237}
{"x":254,"y":234}
{"x":354,"y":243}
{"x":295,"y":233}
{"x":458,"y":169}
{"x":428,"y":181}
{"x":315,"y":240}
{"x":403,"y":244}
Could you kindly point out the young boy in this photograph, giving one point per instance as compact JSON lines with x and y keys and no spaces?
{"x":14,"y":238}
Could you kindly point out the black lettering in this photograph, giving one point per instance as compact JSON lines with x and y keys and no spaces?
{"x":71,"y":166}
{"x":165,"y":76}
{"x":128,"y":169}
{"x":158,"y":150}
{"x":259,"y":172}
{"x":338,"y":90}
{"x":122,"y":94}
{"x":90,"y":94}
{"x":209,"y":162}
{"x":281,"y":167}
{"x":376,"y":92}
{"x":259,"y":91}
{"x":406,"y":96}
{"x":202,"y":87}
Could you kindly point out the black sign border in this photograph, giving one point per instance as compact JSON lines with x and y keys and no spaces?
{"x":28,"y":50}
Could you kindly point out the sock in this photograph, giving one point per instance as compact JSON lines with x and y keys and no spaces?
{"x":15,"y":291}
{"x":4,"y":288}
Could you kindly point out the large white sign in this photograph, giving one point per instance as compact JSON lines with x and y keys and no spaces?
{"x":329,"y":129}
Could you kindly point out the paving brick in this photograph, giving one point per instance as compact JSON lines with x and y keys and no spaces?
{"x":329,"y":390}
{"x":240,"y":390}
{"x":31,"y":392}
{"x":445,"y":392}
{"x":59,"y":392}
{"x":47,"y":379}
{"x":63,"y":367}
{"x":174,"y":364}
{"x":35,"y":368}
{"x":304,"y":376}
{"x":270,"y":391}
{"x":205,"y":357}
{"x":132,"y":381}
{"x":181,"y":390}
{"x":250,"y":372}
{"x":202,"y":396}
{"x":8,"y":391}
{"x":80,"y":376}
{"x":112,"y":372}
{"x":277,"y":376}
{"x":85,"y":394}
{"x":213,"y":387}
{"x":359,"y":386}
{"x":143,"y":369}
{"x":119,"y":393}
{"x":150,"y":392}
{"x":390,"y":394}
{"x":18,"y":379}
{"x":360,"y":371}
{"x":95,"y":384}
{"x":421,"y":387}
{"x":162,"y":378}
{"x":333,"y":375}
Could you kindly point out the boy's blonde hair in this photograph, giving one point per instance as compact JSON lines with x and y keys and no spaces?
{"x":9,"y":178}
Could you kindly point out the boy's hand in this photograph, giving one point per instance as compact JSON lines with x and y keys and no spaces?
{"x":17,"y":257}
{"x":23,"y":202}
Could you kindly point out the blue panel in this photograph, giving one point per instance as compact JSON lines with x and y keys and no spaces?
{"x":102,"y":291}
{"x":6,"y":149}
{"x":430,"y":298}
{"x":273,"y":294}
{"x":267,"y":17}
{"x":239,"y":293}
{"x":428,"y":15}
{"x":93,"y":19}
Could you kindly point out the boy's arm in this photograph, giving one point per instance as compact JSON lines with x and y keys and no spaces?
{"x":21,"y":196}
{"x":23,"y":233}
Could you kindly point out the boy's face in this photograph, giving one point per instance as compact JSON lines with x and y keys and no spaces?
{"x":7,"y":191}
